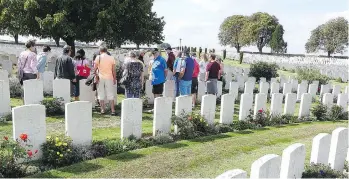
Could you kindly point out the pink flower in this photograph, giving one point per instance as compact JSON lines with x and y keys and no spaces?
{"x":6,"y":138}
{"x":24,"y":137}
{"x":260,"y":111}
{"x":30,"y":153}
{"x":36,"y":151}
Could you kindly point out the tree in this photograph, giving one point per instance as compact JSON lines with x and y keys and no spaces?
{"x":164,"y":46}
{"x":231,"y":31}
{"x":259,"y":28}
{"x":331,"y":37}
{"x":277,"y":43}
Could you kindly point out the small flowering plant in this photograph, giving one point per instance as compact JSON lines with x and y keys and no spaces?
{"x":14,"y":153}
{"x":57,"y":151}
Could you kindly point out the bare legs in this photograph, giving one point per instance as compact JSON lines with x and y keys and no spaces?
{"x":112,"y":106}
{"x":194,"y":99}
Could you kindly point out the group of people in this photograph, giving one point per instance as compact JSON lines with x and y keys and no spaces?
{"x":182,"y":67}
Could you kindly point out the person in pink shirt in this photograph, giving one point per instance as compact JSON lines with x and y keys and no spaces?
{"x":195,"y":82}
{"x":27,"y":63}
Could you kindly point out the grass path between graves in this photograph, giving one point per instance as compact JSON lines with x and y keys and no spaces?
{"x":200,"y":158}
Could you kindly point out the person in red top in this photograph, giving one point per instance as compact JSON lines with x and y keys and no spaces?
{"x":194,"y":85}
{"x":171,"y":59}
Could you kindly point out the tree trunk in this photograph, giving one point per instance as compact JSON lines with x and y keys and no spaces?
{"x":137,"y":46}
{"x":238,"y":48}
{"x":260,"y":49}
{"x":56,"y":41}
{"x":16,"y":38}
{"x":71,"y":43}
{"x":329,"y":54}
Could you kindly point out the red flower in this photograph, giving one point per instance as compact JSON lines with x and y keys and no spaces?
{"x":260,"y":111}
{"x":189,"y":118}
{"x":6,"y":138}
{"x":36,"y":151}
{"x":23,"y":136}
{"x":30,"y":153}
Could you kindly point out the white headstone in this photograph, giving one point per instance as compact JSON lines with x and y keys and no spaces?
{"x":33,"y":91}
{"x":30,"y":120}
{"x":343,"y":101}
{"x":260,"y":103}
{"x":267,"y":166}
{"x":48,"y":81}
{"x":264,"y":87}
{"x":287,"y":88}
{"x":276,"y":104}
{"x":219,"y":88}
{"x":183,"y":105}
{"x":170,"y":89}
{"x":249,"y":86}
{"x":131,"y":118}
{"x":304,"y":108}
{"x":336,"y":90}
{"x":78,"y":122}
{"x":236,"y":173}
{"x":149,"y":92}
{"x":327,"y":100}
{"x":324,"y":89}
{"x":294,"y":84}
{"x":86,"y":93}
{"x":273,"y":80}
{"x":227,"y":109}
{"x":275,"y":88}
{"x":262,"y":79}
{"x":290,"y":103}
{"x":245,"y":106}
{"x":313,"y":89}
{"x":316,"y":82}
{"x":338,"y":149}
{"x":61,"y":89}
{"x":320,"y":149}
{"x":4,"y":75}
{"x":162,"y":115}
{"x":228,"y":79}
{"x":292,"y":163}
{"x":234,"y":88}
{"x":208,"y":108}
{"x":5,"y":100}
{"x":302,"y":88}
{"x":201,"y":90}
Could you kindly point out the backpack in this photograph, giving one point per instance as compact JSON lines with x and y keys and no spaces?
{"x":83,"y":70}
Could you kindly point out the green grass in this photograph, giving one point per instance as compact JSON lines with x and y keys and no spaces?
{"x":203,"y":157}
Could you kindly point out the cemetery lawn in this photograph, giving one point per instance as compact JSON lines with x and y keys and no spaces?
{"x":202,"y":157}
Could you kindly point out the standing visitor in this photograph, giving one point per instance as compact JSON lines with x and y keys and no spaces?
{"x":141,"y":56}
{"x":212,"y":75}
{"x":195,"y":82}
{"x":170,"y":62}
{"x":186,"y":75}
{"x":203,"y":63}
{"x":133,"y":77}
{"x":64,"y":68}
{"x":177,"y":66}
{"x":83,"y":70}
{"x":220,"y":62}
{"x":159,"y":73}
{"x":42,"y":59}
{"x":27,"y":63}
{"x":105,"y":69}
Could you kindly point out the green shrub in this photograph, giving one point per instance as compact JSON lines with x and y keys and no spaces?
{"x":287,"y":118}
{"x":243,"y":125}
{"x":311,"y":75}
{"x":58,"y":151}
{"x":321,"y":171}
{"x":339,"y":80}
{"x":260,"y":120}
{"x":320,"y":112}
{"x":16,"y":90}
{"x":54,"y":107}
{"x":263,"y":69}
{"x":337,"y":113}
{"x":224,"y":128}
{"x":6,"y":117}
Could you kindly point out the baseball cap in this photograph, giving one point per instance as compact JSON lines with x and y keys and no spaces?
{"x":168,"y":48}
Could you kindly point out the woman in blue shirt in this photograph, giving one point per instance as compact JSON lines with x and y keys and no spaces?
{"x":42,"y":59}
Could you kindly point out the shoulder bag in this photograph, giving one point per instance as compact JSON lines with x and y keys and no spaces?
{"x":20,"y":70}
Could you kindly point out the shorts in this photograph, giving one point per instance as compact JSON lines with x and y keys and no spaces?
{"x":194,"y":86}
{"x":211,"y":86}
{"x":158,"y":89}
{"x":106,"y":89}
{"x":185,"y":87}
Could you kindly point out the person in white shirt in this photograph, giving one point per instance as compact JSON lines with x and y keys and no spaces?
{"x":203,"y":63}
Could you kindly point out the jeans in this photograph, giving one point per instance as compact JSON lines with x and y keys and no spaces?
{"x":129,"y":94}
{"x":185,"y":87}
{"x":177,"y":84}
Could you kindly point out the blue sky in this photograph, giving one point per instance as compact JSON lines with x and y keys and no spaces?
{"x":197,"y":21}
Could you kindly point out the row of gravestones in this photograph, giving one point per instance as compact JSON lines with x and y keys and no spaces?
{"x":326,"y":149}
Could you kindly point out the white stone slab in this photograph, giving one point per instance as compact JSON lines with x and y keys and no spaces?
{"x":245,"y":105}
{"x":5,"y":100}
{"x":48,"y":77}
{"x":162,"y":115}
{"x":33,"y":91}
{"x":61,"y":89}
{"x":302,"y":88}
{"x":131,"y":118}
{"x":78,"y":122}
{"x":219,"y":88}
{"x":260,"y":103}
{"x":287,"y":88}
{"x":149,"y":92}
{"x":201,"y":90}
{"x":264,"y":87}
{"x":169,"y":89}
{"x":292,"y":163}
{"x":183,"y":105}
{"x":208,"y":108}
{"x":313,"y":89}
{"x":336,"y":90}
{"x":4,"y":75}
{"x":236,"y":173}
{"x":327,"y":100}
{"x":234,"y":88}
{"x":267,"y":166}
{"x":30,"y":120}
{"x":342,"y":101}
{"x":275,"y":88}
{"x":304,"y":108}
{"x":338,"y":149}
{"x":227,"y":109}
{"x":290,"y":104}
{"x":249,"y":86}
{"x":324,"y":89}
{"x":320,"y":148}
{"x":276,"y":104}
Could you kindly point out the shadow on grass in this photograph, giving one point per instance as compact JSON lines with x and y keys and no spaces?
{"x":293,"y":124}
{"x":262,"y":129}
{"x":280,"y":126}
{"x":147,"y":135}
{"x":125,"y":157}
{"x":5,"y":124}
{"x":173,"y":146}
{"x":209,"y":138}
{"x":244,"y":132}
{"x":80,"y":168}
{"x":148,"y":117}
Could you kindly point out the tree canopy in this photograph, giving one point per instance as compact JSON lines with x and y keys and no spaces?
{"x":114,"y":21}
{"x":277,"y":43}
{"x":331,"y":37}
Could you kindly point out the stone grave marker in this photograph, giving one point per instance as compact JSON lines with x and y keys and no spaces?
{"x":267,"y":166}
{"x":162,"y":115}
{"x":276,"y":104}
{"x":287,"y":88}
{"x":131,"y":118}
{"x":245,"y":105}
{"x":5,"y":100}
{"x":302,"y":88}
{"x":249,"y":87}
{"x":290,"y":103}
{"x":227,"y":109}
{"x":338,"y":148}
{"x":275,"y":88}
{"x":320,"y":148}
{"x":260,"y":103}
{"x":33,"y":91}
{"x":304,"y":108}
{"x":61,"y":89}
{"x":292,"y":163}
{"x":208,"y":108}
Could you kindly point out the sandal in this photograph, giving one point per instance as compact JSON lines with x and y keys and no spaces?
{"x":102,"y":112}
{"x":113,"y":113}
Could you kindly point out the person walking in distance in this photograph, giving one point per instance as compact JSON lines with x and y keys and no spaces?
{"x":159,"y":73}
{"x":42,"y":59}
{"x":133,"y":77}
{"x":83,"y":69}
{"x":106,"y":80}
{"x":212,"y":75}
{"x":27,"y":63}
